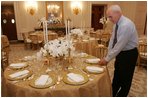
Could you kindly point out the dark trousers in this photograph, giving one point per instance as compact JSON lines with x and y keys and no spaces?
{"x":124,"y":68}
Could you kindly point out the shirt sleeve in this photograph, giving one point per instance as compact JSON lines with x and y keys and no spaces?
{"x":110,"y":42}
{"x":111,"y":39}
{"x":122,"y":40}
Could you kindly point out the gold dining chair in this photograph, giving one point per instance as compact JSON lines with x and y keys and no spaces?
{"x":27,"y":41}
{"x":105,"y":38}
{"x":36,"y":43}
{"x":52,"y":36}
{"x":142,"y":58}
{"x":4,"y":60}
{"x":100,"y":50}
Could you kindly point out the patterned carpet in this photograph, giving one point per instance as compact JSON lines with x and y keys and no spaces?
{"x":139,"y":84}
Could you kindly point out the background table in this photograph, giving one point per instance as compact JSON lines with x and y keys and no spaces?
{"x":98,"y":85}
{"x":87,"y":46}
{"x":39,"y":36}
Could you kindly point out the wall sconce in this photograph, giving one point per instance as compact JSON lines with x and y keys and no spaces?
{"x":53,"y":8}
{"x":31,"y":7}
{"x":76,"y":7}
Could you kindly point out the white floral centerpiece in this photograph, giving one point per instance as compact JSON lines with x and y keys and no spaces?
{"x":40,"y":21}
{"x":76,"y":33}
{"x":104,"y":21}
{"x":57,"y":48}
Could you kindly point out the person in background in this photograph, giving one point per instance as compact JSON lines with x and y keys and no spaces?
{"x":122,"y":46}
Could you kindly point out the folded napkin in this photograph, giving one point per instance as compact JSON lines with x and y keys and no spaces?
{"x":48,"y":70}
{"x":83,"y":54}
{"x":100,"y":45}
{"x":140,"y":41}
{"x":27,"y":58}
{"x":92,"y":60}
{"x":94,"y":69}
{"x":75,"y":41}
{"x":42,"y":80}
{"x":142,"y":53}
{"x":18,"y":65}
{"x":75,"y":77}
{"x":18,"y":74}
{"x":92,"y":39}
{"x":85,"y":40}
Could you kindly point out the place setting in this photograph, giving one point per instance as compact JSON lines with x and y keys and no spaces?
{"x":18,"y":75}
{"x":74,"y":77}
{"x":18,"y":66}
{"x":43,"y":81}
{"x":93,"y":69}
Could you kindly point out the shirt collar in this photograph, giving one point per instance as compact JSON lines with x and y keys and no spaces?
{"x":120,"y":20}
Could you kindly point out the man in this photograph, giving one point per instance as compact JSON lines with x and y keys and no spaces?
{"x":122,"y":46}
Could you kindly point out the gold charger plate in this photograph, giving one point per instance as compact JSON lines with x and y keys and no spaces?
{"x":18,"y":78}
{"x":66,"y":80}
{"x":15,"y":68}
{"x":91,"y":72}
{"x":32,"y":82}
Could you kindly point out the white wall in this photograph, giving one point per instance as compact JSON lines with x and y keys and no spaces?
{"x":25,"y":22}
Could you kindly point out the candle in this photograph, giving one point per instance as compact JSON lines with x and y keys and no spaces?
{"x":44,"y":32}
{"x":81,"y":25}
{"x":84,"y":24}
{"x":68,"y":34}
{"x":66,"y":28}
{"x":72,"y":25}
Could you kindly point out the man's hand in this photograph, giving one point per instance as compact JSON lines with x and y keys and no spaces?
{"x":103,"y":62}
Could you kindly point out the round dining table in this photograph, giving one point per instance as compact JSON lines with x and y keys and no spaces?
{"x":98,"y":85}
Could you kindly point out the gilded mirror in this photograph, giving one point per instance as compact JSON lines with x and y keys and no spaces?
{"x":54,"y":12}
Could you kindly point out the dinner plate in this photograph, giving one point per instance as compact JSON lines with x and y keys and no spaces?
{"x":48,"y":84}
{"x":93,"y":72}
{"x":19,"y":77}
{"x":19,"y":67}
{"x":71,"y":82}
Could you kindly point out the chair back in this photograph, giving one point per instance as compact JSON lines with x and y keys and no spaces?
{"x":101,"y":51}
{"x":4,"y":59}
{"x":24,"y":36}
{"x":143,"y":49}
{"x":34,"y":39}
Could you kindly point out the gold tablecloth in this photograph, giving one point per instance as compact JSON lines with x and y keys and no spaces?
{"x":98,"y":85}
{"x":40,"y":36}
{"x":87,"y":46}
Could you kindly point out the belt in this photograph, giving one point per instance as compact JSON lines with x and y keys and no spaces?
{"x":130,"y":50}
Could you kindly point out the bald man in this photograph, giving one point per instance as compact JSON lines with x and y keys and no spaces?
{"x":122,"y":46}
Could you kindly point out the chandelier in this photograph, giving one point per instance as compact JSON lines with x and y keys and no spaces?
{"x":53,"y":8}
{"x":76,"y":7}
{"x":31,"y":7}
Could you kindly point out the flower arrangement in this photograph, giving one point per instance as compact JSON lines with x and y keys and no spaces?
{"x":104,"y":21}
{"x":54,"y":20}
{"x":77,"y":32}
{"x":57,"y":48}
{"x":40,"y":21}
